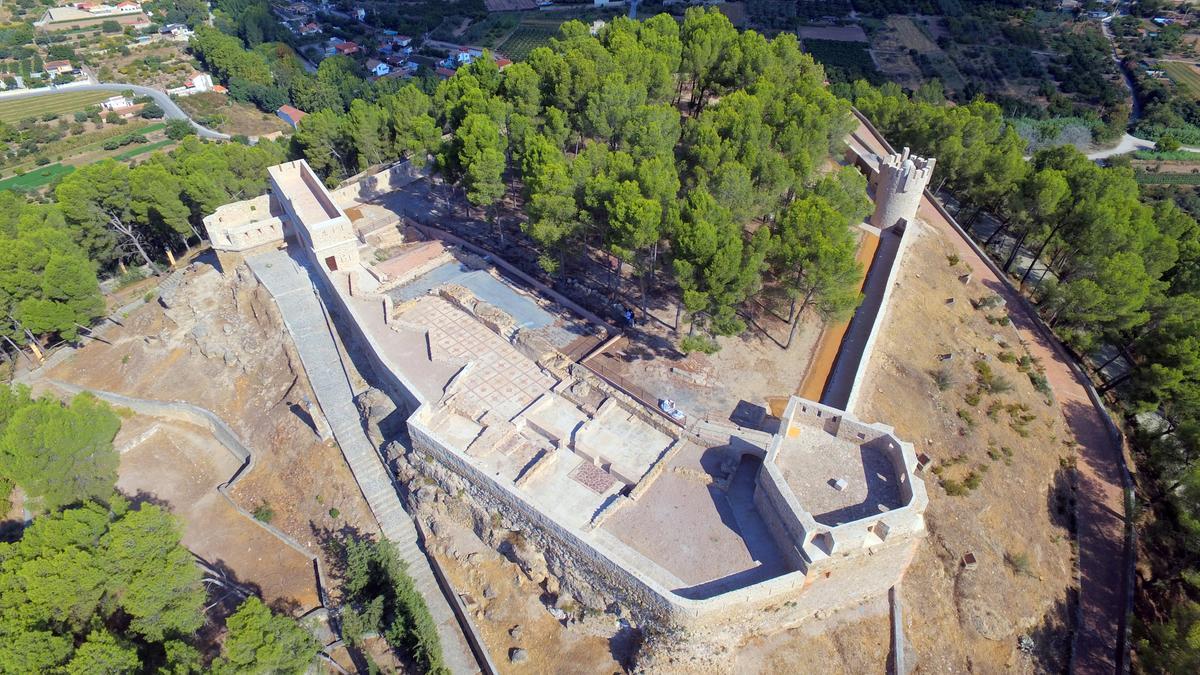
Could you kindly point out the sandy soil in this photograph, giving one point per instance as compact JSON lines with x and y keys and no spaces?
{"x":1016,"y":521}
{"x":226,"y":351}
{"x":857,"y":640}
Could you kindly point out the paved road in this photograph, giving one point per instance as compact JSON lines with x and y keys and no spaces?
{"x":305,"y":319}
{"x":173,"y":111}
{"x":1099,"y":646}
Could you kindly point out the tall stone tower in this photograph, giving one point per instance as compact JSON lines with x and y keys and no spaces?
{"x":898,"y":188}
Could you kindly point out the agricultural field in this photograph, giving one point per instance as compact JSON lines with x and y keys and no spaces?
{"x":1184,"y":75}
{"x":843,"y":61}
{"x":536,"y":29}
{"x":36,"y":179}
{"x":527,"y":37}
{"x":17,"y":109}
{"x":142,"y":149}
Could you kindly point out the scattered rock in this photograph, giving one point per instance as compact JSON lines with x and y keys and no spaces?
{"x":467,"y":599}
{"x":515,"y":632}
{"x":557,"y":613}
{"x":518,"y":655}
{"x":489,"y":592}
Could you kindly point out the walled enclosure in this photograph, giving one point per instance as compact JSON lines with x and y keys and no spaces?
{"x":462,"y":446}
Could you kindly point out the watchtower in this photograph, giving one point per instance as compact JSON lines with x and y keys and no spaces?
{"x":899,"y":184}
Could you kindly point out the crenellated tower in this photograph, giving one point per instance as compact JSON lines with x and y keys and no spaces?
{"x":898,"y":188}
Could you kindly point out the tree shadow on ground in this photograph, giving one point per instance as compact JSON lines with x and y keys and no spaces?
{"x":1049,"y":643}
{"x":625,"y":644}
{"x":333,"y":542}
{"x":137,"y":499}
{"x":226,"y":592}
{"x":1060,"y":499}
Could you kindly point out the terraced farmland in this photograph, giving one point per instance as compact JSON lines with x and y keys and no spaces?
{"x":1184,"y":76}
{"x":16,"y":109}
{"x":527,"y":37}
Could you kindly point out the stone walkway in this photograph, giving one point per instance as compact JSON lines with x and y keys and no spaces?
{"x":305,"y":318}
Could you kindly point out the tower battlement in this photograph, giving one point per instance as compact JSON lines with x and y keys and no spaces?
{"x":899,"y":184}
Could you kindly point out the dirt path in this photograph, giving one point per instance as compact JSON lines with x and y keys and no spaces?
{"x":1100,"y":509}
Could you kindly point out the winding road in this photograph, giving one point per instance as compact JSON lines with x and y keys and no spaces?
{"x":172,"y":111}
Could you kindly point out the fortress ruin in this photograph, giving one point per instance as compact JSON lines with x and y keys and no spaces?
{"x":706,"y":532}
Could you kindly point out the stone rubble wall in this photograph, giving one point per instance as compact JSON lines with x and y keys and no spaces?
{"x":603,"y":584}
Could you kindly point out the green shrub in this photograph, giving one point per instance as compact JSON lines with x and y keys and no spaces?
{"x":954,"y":488}
{"x":967,"y":418}
{"x":1041,"y":384}
{"x":953,"y":259}
{"x":334,"y":513}
{"x":699,"y":343}
{"x":1019,"y":563}
{"x":942,"y":378}
{"x":264,"y":513}
{"x":1006,"y":357}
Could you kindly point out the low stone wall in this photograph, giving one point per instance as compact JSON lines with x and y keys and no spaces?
{"x":378,"y":184}
{"x":205,"y":419}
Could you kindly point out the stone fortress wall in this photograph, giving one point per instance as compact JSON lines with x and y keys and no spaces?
{"x":831,"y":567}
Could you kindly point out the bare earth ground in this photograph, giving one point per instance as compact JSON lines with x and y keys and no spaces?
{"x":1016,"y":522}
{"x":477,"y":570}
{"x":750,"y":368}
{"x":179,"y":466}
{"x":856,"y":640}
{"x":237,"y":118}
{"x":220,"y":346}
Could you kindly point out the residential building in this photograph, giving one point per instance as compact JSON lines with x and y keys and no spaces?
{"x":291,"y":115}
{"x":378,"y":68}
{"x":58,"y":67}
{"x":346,"y":48}
{"x":113,"y":103}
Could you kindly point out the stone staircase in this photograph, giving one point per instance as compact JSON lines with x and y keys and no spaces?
{"x":306,"y":320}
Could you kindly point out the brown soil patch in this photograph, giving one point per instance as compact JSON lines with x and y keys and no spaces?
{"x":1016,"y":520}
{"x":180,"y":467}
{"x":220,"y":345}
{"x":476,"y":570}
{"x":826,"y":351}
{"x":236,"y":117}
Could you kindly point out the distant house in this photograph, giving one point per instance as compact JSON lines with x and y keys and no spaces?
{"x":378,"y":68}
{"x":58,"y":67}
{"x":1162,"y":21}
{"x":116,"y":102}
{"x":291,"y":115}
{"x":128,"y":7}
{"x":331,"y":45}
{"x":444,"y":72}
{"x":346,"y":48}
{"x":310,"y":28}
{"x":503,"y":63}
{"x":195,"y":84}
{"x":402,"y":40}
{"x":360,"y":14}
